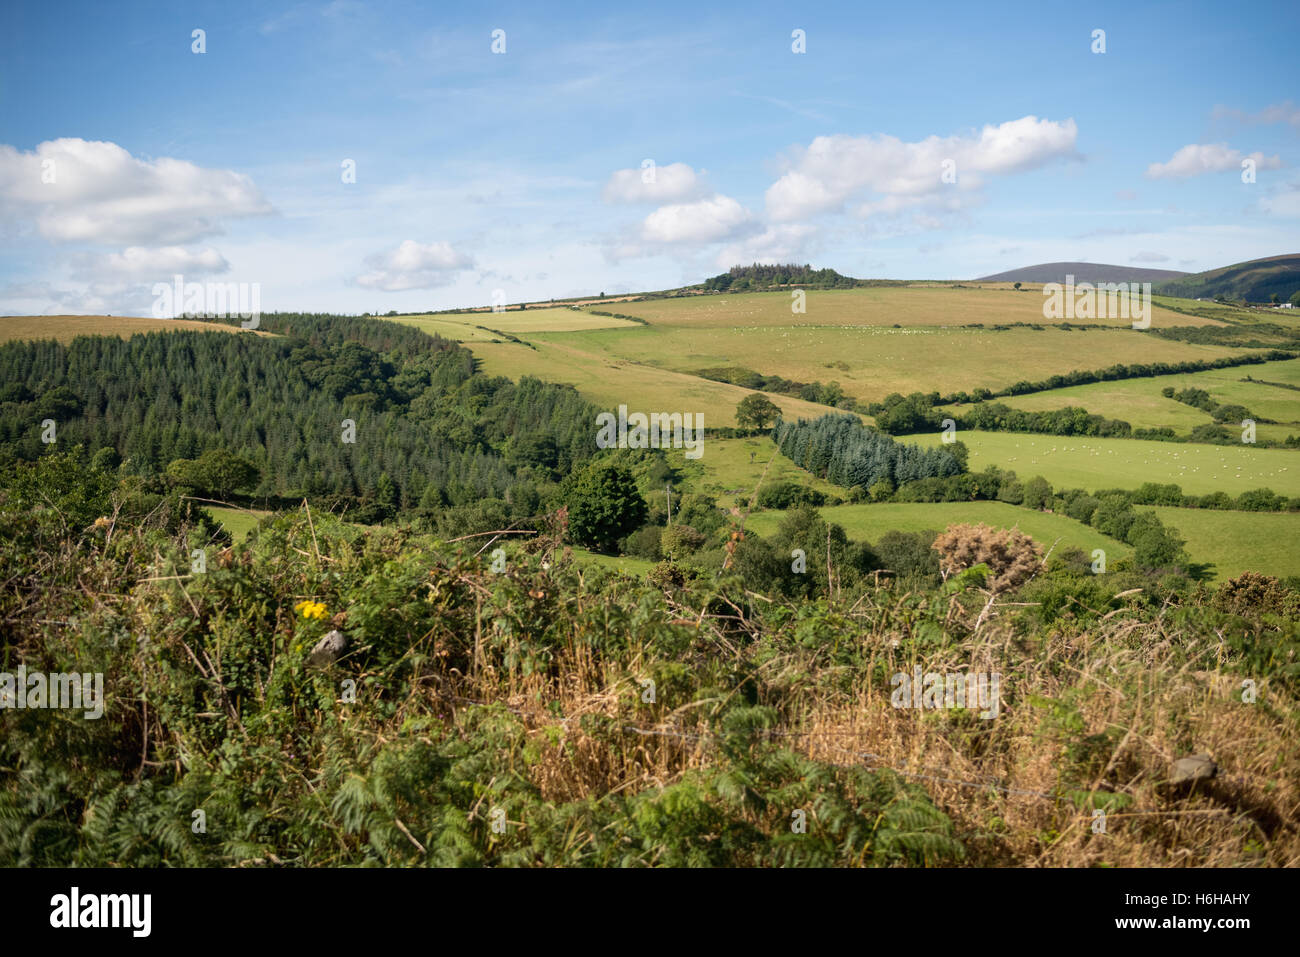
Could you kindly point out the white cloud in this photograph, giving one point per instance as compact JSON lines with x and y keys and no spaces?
{"x":676,"y":181}
{"x":781,"y":243}
{"x":160,"y":263}
{"x":704,"y":221}
{"x":1149,"y":257}
{"x":102,"y":194}
{"x":413,"y":265}
{"x":834,"y":169}
{"x":1286,"y":112}
{"x":1195,"y":159}
{"x":94,"y":299}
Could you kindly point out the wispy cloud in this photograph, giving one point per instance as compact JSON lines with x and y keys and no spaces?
{"x":1197,"y":159}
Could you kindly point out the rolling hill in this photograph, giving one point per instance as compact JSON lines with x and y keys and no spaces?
{"x":1253,"y":281}
{"x":1085,"y":272}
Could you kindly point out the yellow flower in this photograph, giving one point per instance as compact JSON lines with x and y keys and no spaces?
{"x":310,"y":609}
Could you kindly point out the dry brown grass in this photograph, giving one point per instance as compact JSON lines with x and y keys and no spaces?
{"x":1002,"y":781}
{"x":66,"y":328}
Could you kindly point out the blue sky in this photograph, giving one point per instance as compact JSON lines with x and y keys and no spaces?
{"x":522,"y":171}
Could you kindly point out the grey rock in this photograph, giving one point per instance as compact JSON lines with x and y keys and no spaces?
{"x":1195,"y":767}
{"x":328,"y":650}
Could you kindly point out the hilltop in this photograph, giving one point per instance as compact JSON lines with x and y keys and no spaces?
{"x":756,"y":276}
{"x":1084,"y":272}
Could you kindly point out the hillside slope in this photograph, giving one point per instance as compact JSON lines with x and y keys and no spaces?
{"x":1254,"y":281}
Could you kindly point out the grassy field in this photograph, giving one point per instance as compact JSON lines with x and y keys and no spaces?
{"x":930,"y":304}
{"x":1139,"y":402}
{"x":1208,"y":309}
{"x":609,"y":381}
{"x":869,"y":362}
{"x":67,"y":328}
{"x":1126,"y":463}
{"x":449,"y":329}
{"x":1276,"y":433}
{"x":476,"y":326}
{"x":621,"y":563}
{"x":726,"y":473}
{"x":237,"y":521}
{"x":1231,"y":542}
{"x":869,"y":522}
{"x":872,"y":341}
{"x":1235,"y":542}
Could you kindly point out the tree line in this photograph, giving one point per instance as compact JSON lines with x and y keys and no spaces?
{"x":365,"y":414}
{"x":759,"y":276}
{"x":840,"y":449}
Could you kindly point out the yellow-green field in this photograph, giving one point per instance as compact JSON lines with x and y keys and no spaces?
{"x":726,"y":473}
{"x":237,"y":521}
{"x":1092,"y":464}
{"x":869,"y":362}
{"x":448,"y":329}
{"x":1139,"y":402}
{"x":636,"y":567}
{"x":67,"y":328}
{"x":869,"y":522}
{"x":1235,"y":542}
{"x":1228,"y":542}
{"x":610,"y":381}
{"x":929,"y":304}
{"x":476,"y":326}
{"x":872,"y":341}
{"x":1208,"y":309}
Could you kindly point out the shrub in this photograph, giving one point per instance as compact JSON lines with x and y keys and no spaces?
{"x":1153,"y":493}
{"x":1011,"y":556}
{"x":1155,"y":546}
{"x":1082,"y":508}
{"x":644,"y":543}
{"x":1113,"y":516}
{"x":781,"y":495}
{"x":908,"y":554}
{"x":1260,"y":500}
{"x":699,"y":512}
{"x":1038,"y":492}
{"x":882,"y":491}
{"x":1012,"y":492}
{"x":678,"y":541}
{"x":1251,"y":594}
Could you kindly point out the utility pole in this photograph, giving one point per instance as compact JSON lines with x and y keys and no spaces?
{"x":668,"y":490}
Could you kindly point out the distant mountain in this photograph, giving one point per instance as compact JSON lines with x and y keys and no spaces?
{"x":1084,"y":272}
{"x":1254,"y":281}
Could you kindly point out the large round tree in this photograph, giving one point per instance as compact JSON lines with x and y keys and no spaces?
{"x":604,"y":506}
{"x":216,"y":472}
{"x":756,"y":410}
